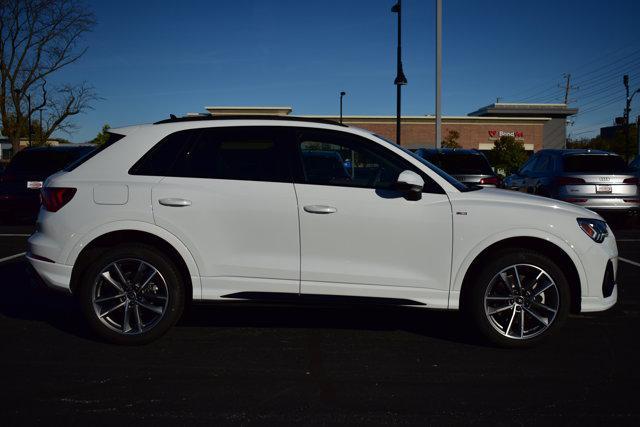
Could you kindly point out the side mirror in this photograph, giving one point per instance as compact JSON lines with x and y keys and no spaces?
{"x":410,"y":183}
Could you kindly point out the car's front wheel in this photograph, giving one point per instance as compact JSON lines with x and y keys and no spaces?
{"x":132,"y":294}
{"x":519,"y":298}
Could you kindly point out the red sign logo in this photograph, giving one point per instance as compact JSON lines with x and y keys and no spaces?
{"x":493,"y":133}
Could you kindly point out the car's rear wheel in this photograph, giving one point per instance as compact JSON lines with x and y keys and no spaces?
{"x":519,"y":298}
{"x":132,"y":294}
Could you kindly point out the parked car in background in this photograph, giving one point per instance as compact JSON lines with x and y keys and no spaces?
{"x":21,"y":181}
{"x":594,"y":179}
{"x":258,"y":208}
{"x":635,"y":165}
{"x":467,"y":166}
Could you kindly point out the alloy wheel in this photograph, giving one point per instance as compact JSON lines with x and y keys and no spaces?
{"x":521,"y":301}
{"x":130,"y":296}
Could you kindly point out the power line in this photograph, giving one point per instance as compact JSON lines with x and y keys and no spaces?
{"x":604,"y":67}
{"x":535,"y":90}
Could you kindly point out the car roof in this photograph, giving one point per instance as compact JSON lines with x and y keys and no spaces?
{"x":574,"y":151}
{"x":66,"y":147}
{"x":454,"y":151}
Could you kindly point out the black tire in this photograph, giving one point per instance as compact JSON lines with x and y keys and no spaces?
{"x":168,"y":280}
{"x":474,"y":298}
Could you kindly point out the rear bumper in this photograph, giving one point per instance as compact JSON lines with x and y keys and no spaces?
{"x":55,"y":276}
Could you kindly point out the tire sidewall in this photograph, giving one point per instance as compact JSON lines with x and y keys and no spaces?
{"x":175,"y":288}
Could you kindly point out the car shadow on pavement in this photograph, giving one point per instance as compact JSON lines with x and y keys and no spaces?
{"x":23,"y":300}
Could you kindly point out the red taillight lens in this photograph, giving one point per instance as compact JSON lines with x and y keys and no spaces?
{"x":54,"y":198}
{"x":630,"y":181}
{"x":492,"y":180}
{"x":567,"y":180}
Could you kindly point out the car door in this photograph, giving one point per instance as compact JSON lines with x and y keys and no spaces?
{"x":230,"y":198}
{"x":358,"y":235}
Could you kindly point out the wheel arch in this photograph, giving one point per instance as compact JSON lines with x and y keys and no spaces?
{"x":566,"y":259}
{"x":92,"y":244}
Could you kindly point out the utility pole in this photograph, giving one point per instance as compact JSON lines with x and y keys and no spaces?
{"x":567,"y":88}
{"x":400,"y":80}
{"x":627,"y":111}
{"x":343,"y":93}
{"x":438,"y":73}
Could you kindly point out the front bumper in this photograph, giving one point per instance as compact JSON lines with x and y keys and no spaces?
{"x":591,"y":304}
{"x":55,"y":276}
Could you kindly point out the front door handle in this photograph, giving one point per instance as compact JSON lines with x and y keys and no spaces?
{"x":320,"y":209}
{"x":170,"y":201}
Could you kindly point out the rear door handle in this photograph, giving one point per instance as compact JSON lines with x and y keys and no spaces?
{"x":170,"y":201}
{"x":320,"y":209}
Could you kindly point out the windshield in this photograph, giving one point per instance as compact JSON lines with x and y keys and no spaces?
{"x":461,"y":163}
{"x":43,"y":162}
{"x":451,"y":180}
{"x":595,"y":163}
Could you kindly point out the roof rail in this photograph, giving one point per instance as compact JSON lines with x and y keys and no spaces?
{"x":174,"y":119}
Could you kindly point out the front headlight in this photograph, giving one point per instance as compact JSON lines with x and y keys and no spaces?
{"x":594,"y":228}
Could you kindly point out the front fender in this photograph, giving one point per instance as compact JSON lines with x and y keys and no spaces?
{"x":460,"y":271}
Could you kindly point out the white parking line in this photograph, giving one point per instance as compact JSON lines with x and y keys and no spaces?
{"x":21,"y":235}
{"x":628,"y":261}
{"x":12,"y":257}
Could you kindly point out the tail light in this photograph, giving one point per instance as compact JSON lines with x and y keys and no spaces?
{"x":631,"y":181}
{"x":492,"y":180}
{"x":54,"y":198}
{"x":568,"y":180}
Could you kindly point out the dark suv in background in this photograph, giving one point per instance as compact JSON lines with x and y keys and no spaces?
{"x":21,"y":181}
{"x":594,"y":179}
{"x":467,"y":166}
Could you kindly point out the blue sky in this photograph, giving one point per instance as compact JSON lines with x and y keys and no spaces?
{"x":149,"y":59}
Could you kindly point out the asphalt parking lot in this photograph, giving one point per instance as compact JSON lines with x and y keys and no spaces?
{"x":312,"y":365}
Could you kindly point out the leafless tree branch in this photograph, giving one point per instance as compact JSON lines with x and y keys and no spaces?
{"x":38,"y":38}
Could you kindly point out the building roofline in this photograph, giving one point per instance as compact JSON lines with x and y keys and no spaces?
{"x":429,"y":118}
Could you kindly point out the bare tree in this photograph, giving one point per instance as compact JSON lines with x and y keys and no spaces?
{"x":38,"y":38}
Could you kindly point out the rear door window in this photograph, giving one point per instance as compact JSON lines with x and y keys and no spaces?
{"x":594,"y":163}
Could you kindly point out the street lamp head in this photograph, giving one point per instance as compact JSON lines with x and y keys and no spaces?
{"x":401,"y":79}
{"x":625,"y":79}
{"x":343,"y":93}
{"x":396,"y":8}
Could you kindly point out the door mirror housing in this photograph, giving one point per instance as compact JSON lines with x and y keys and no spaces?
{"x":411,"y":184}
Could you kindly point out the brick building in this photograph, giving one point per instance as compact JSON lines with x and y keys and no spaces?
{"x":536,"y":125}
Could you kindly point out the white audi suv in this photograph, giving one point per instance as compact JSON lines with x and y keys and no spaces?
{"x":293,"y":209}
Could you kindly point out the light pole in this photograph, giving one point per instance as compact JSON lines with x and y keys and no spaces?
{"x":401,"y":79}
{"x":438,"y":73}
{"x":627,"y":112}
{"x":343,"y":93}
{"x":19,"y":92}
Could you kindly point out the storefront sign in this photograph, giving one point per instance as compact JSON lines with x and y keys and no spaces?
{"x":494,"y":135}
